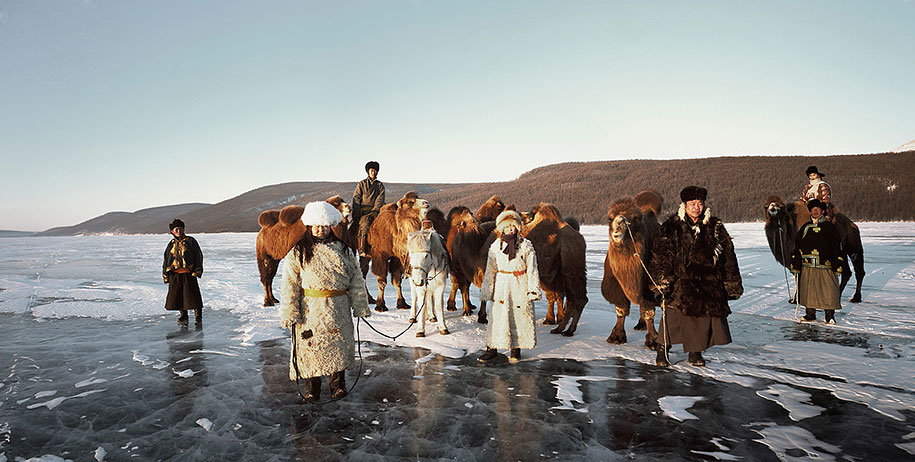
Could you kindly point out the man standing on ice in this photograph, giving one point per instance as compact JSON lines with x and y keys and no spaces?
{"x":182,"y":265}
{"x":817,"y":262}
{"x":367,"y":201}
{"x":695,"y":267}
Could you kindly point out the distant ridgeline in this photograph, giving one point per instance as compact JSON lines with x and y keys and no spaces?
{"x":872,"y":187}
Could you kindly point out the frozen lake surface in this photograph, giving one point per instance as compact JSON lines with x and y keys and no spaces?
{"x":95,"y":369}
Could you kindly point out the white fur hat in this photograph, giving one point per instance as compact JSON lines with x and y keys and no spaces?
{"x":508,"y":217}
{"x":321,"y":213}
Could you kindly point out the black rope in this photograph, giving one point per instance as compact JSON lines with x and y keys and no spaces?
{"x":298,"y":375}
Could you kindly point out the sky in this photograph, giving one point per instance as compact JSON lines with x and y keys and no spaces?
{"x":120,"y":106}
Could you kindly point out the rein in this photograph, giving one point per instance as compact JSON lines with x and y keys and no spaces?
{"x":663,"y":300}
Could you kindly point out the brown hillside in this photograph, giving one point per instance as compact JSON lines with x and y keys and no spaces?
{"x":876,"y":187}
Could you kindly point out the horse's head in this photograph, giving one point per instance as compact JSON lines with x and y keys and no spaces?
{"x":419,"y":245}
{"x":625,"y":220}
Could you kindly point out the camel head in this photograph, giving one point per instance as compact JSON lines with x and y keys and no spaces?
{"x":625,"y":219}
{"x":411,"y":211}
{"x":490,"y":209}
{"x":461,"y":219}
{"x":341,"y":205}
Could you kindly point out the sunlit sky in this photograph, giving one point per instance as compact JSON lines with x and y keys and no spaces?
{"x":119,"y":106}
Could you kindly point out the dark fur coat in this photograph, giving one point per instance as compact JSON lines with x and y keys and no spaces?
{"x":695,"y":266}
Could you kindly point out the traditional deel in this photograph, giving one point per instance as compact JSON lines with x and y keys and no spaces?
{"x":512,"y":285}
{"x":321,"y":298}
{"x":818,"y":259}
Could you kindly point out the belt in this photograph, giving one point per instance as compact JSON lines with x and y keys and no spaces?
{"x":516,"y":273}
{"x":323,"y":293}
{"x":366,"y":208}
{"x":181,"y":270}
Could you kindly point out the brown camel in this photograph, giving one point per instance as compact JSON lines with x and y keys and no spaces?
{"x":280,"y":230}
{"x":633,"y":224}
{"x":783,"y":221}
{"x":468,"y":242}
{"x":387,"y":239}
{"x":560,"y":250}
{"x":462,"y":280}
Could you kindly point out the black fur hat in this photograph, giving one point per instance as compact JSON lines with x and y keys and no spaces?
{"x":176,"y":223}
{"x":813,"y":169}
{"x":372,"y":164}
{"x":691,"y":193}
{"x":816,"y":203}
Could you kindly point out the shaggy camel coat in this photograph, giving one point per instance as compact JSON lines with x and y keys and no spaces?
{"x":511,"y":318}
{"x":331,"y":346}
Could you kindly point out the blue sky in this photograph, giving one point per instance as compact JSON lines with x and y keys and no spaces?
{"x":119,"y":106}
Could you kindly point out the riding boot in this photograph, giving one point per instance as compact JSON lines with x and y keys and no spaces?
{"x":515,"y":355}
{"x":312,"y":389}
{"x":830,"y":316}
{"x":489,"y":355}
{"x":198,"y":318}
{"x":338,"y":384}
{"x":182,"y":319}
{"x":811,"y":315}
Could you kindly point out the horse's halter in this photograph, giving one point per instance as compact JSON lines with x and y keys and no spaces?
{"x":424,"y":268}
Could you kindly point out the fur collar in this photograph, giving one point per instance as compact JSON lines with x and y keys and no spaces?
{"x":706,"y":215}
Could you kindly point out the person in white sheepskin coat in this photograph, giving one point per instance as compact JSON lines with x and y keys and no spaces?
{"x":322,"y":290}
{"x":512,"y":283}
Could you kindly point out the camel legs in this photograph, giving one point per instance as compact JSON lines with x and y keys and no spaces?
{"x":651,"y":337}
{"x":396,"y":278}
{"x":364,"y":266}
{"x":481,"y":318}
{"x":268,"y":268}
{"x":858,"y":262}
{"x":452,"y":305}
{"x":380,"y":306}
{"x":551,"y":299}
{"x":618,"y":334}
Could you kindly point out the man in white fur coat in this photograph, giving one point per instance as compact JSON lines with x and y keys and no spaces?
{"x":322,"y":290}
{"x":512,"y":283}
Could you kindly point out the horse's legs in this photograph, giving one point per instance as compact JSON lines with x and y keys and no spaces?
{"x":414,"y":294}
{"x":618,"y":334}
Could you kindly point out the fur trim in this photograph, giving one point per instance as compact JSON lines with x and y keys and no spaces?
{"x":320,"y":213}
{"x":504,"y":219}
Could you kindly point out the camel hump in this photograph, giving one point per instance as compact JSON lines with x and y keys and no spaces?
{"x":571,"y":221}
{"x":649,"y":200}
{"x":336,"y":201}
{"x":774,"y":199}
{"x":291,"y":214}
{"x":268,"y":218}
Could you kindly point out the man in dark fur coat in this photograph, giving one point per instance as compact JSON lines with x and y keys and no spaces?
{"x":182,"y":265}
{"x":367,"y":201}
{"x":695,"y":267}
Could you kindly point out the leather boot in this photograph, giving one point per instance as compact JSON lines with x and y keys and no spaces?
{"x":312,"y":389}
{"x":182,"y":319}
{"x":830,"y":316}
{"x":696,"y":359}
{"x":515,"y":355}
{"x":198,"y":318}
{"x":489,"y":355}
{"x":338,"y":384}
{"x":811,"y":315}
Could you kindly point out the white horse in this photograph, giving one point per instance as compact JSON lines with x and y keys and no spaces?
{"x":428,"y":274}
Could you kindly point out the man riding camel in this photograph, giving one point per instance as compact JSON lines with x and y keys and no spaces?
{"x":367,"y":201}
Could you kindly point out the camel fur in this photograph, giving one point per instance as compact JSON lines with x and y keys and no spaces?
{"x":280,"y":230}
{"x":475,"y":231}
{"x":387,"y":239}
{"x":560,"y":250}
{"x":783,"y":221}
{"x":633,"y":222}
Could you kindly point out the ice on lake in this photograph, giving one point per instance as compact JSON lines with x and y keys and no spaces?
{"x":94,"y":367}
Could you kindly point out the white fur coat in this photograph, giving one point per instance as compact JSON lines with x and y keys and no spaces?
{"x":511,"y":319}
{"x":330,"y":344}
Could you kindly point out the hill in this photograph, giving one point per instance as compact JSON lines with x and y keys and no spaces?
{"x":868,"y":187}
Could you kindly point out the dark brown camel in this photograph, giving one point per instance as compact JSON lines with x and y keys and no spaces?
{"x":387,"y":239}
{"x":468,"y":243}
{"x":459,"y":280}
{"x":783,"y":221}
{"x":280,"y":230}
{"x":633,"y":222}
{"x":560,"y":250}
